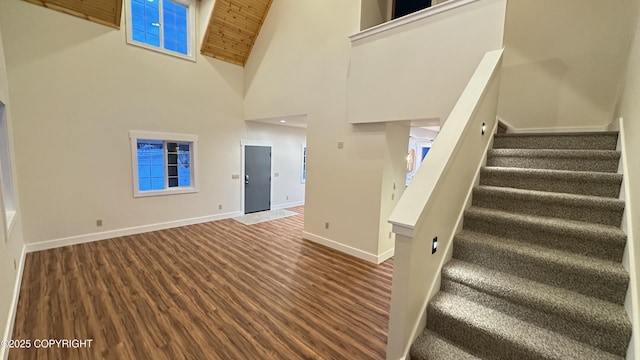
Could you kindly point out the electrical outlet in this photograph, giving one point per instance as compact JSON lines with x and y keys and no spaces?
{"x":235,"y":176}
{"x":326,"y":225}
{"x":276,"y":174}
{"x":340,"y":144}
{"x":220,"y":207}
{"x":99,"y":222}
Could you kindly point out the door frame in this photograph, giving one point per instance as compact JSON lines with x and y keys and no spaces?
{"x":243,"y":144}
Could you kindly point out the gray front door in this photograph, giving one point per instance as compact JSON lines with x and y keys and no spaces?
{"x":257,"y":178}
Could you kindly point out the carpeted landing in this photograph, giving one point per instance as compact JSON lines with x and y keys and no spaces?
{"x":537,"y":269}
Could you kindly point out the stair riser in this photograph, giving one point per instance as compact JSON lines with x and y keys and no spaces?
{"x":576,"y":243}
{"x":610,"y":339}
{"x":572,"y":164}
{"x":561,"y":185}
{"x":583,"y":142}
{"x":557,"y":209}
{"x":481,"y":343}
{"x":599,"y":285}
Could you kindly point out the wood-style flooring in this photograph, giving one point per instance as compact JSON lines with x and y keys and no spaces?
{"x":218,"y":290}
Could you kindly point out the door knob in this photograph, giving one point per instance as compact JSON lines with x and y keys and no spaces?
{"x":246,"y":179}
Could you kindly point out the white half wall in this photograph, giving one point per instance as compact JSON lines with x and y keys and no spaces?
{"x":563,"y":63}
{"x":418,"y":69}
{"x":630,"y":112}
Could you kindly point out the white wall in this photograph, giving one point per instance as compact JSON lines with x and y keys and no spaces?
{"x":205,"y":8}
{"x":373,"y":12}
{"x":394,"y":174}
{"x":418,"y":71}
{"x":563,"y":62}
{"x":299,"y":66}
{"x":286,"y":141}
{"x":11,"y":247}
{"x":77,"y":89}
{"x":630,"y":111}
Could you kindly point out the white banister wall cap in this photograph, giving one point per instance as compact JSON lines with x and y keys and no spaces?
{"x":402,"y":229}
{"x":408,"y":19}
{"x":414,"y":201}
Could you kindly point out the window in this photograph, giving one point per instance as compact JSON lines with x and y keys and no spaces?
{"x":167,"y":26}
{"x":163,"y":163}
{"x":6,"y":173}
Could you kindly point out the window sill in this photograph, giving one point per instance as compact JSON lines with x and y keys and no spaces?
{"x":185,"y":190}
{"x":191,"y":57}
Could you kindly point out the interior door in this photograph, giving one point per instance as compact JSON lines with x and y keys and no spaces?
{"x":257,"y":178}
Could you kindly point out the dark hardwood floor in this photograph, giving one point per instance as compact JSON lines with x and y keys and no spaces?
{"x":219,"y":290}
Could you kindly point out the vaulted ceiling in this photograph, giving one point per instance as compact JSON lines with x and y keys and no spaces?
{"x":106,"y":12}
{"x":233,"y":28}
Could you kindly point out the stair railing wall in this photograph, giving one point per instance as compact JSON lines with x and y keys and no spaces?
{"x":630,"y":261}
{"x":432,"y":206}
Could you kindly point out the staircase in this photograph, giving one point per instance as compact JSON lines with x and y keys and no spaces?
{"x":537,"y":270}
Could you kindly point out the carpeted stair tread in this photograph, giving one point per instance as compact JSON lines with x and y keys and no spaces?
{"x":599,"y":141}
{"x":564,"y":181}
{"x":430,"y":346}
{"x":536,"y":272}
{"x":603,"y":279}
{"x":494,"y":335}
{"x":603,"y":241}
{"x":593,"y":209}
{"x":557,"y":153}
{"x":597,"y":322}
{"x":558,"y":159}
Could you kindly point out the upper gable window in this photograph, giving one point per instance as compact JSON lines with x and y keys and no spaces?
{"x":167,"y":26}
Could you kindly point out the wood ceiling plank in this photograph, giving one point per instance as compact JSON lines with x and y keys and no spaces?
{"x":104,"y":12}
{"x":233,"y":28}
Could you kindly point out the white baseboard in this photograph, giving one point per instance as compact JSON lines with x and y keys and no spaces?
{"x":386,"y":256}
{"x":8,"y":332}
{"x":287,"y":205}
{"x":569,"y":129}
{"x":81,"y":239}
{"x":342,"y":247}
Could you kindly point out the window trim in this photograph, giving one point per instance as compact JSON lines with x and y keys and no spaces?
{"x":191,"y":28}
{"x":135,"y":135}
